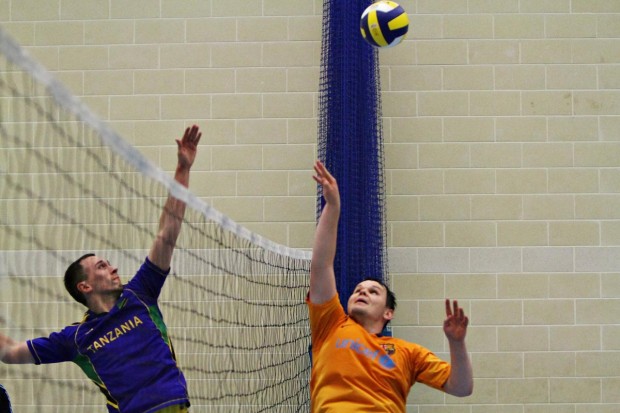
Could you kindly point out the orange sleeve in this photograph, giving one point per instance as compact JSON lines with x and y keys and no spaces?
{"x":324,"y":318}
{"x":430,"y":369}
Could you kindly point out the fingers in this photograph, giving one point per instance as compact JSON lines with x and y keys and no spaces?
{"x":322,"y":174}
{"x":192,"y":134}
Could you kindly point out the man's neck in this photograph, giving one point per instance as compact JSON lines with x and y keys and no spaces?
{"x":103,"y":303}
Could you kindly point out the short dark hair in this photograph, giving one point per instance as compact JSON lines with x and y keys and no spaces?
{"x":390,"y":299}
{"x":73,"y":276}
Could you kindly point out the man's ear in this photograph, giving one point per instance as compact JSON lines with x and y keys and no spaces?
{"x":84,"y":287}
{"x":388,"y":314}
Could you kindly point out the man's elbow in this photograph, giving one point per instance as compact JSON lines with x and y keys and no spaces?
{"x":463,"y":390}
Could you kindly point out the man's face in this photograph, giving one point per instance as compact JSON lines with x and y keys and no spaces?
{"x":368,"y":302}
{"x":101,"y":277}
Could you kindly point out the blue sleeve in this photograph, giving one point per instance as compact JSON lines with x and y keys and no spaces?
{"x":148,"y":282}
{"x":56,"y":348}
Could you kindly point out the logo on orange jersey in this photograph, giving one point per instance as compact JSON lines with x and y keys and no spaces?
{"x":389,"y":348}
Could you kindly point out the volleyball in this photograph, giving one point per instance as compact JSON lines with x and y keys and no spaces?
{"x":384,"y":24}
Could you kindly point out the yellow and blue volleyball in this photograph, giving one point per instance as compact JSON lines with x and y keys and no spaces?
{"x":384,"y":24}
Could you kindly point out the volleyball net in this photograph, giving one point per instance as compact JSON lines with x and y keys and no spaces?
{"x":234,"y":302}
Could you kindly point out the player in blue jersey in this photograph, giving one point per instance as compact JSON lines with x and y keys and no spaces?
{"x":122,"y":343}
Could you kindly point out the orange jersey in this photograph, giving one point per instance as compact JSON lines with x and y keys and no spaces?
{"x":355,"y":371}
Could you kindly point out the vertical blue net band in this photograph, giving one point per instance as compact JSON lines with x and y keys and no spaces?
{"x":350,"y":143}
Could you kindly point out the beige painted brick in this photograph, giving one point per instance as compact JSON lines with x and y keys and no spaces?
{"x":159,"y":81}
{"x":497,"y":312}
{"x":549,"y":207}
{"x":59,"y":33}
{"x":608,"y":25}
{"x":496,"y":207}
{"x":469,"y":130}
{"x":611,"y":391}
{"x":441,"y":6}
{"x":597,"y":207}
{"x":569,"y":129}
{"x":468,"y":78}
{"x":187,"y":8}
{"x":404,"y":54}
{"x":471,"y":234}
{"x":575,"y":338}
{"x":277,"y":8}
{"x":518,"y":390}
{"x":302,"y":130}
{"x":234,"y":55}
{"x":546,"y":51}
{"x":137,"y":9}
{"x":401,"y":208}
{"x":210,"y":81}
{"x":292,"y":105}
{"x":468,"y":26}
{"x":593,"y":311}
{"x":573,"y":180}
{"x":186,"y":56}
{"x":442,"y":260}
{"x":237,"y":157}
{"x":610,"y":128}
{"x":610,"y":233}
{"x":237,"y":8}
{"x":611,"y":337}
{"x":257,"y":131}
{"x":302,"y":79}
{"x":134,"y":57}
{"x":103,"y":32}
{"x":301,"y":235}
{"x":291,"y":54}
{"x":571,"y":77}
{"x":424,"y":26}
{"x":599,"y":154}
{"x":549,"y":364}
{"x":574,"y":233}
{"x":498,"y":365}
{"x":265,"y":183}
{"x":418,"y":129}
{"x":416,"y":182}
{"x":83,"y":57}
{"x":545,"y":6}
{"x":519,"y":77}
{"x":399,"y":104}
{"x":494,"y":103}
{"x":444,"y":52}
{"x":581,"y":285}
{"x":73,"y":81}
{"x":487,"y":6}
{"x":547,"y":103}
{"x":261,"y":29}
{"x":469,"y":181}
{"x":521,"y":181}
{"x":599,"y":6}
{"x":304,"y":27}
{"x":481,"y":339}
{"x":609,"y":77}
{"x":35,"y":10}
{"x":301,"y":183}
{"x":289,"y":209}
{"x":549,"y":312}
{"x":288,"y":157}
{"x":547,"y":155}
{"x":102,"y":82}
{"x":550,"y":259}
{"x":443,"y":155}
{"x":276,"y":232}
{"x":524,"y":286}
{"x":493,"y":52}
{"x":575,"y":390}
{"x":402,"y":78}
{"x":519,"y":26}
{"x":187,"y":106}
{"x":417,"y":234}
{"x":523,"y":339}
{"x":503,"y":408}
{"x":417,"y":287}
{"x":214,"y":184}
{"x":401,"y":155}
{"x":471,"y":286}
{"x":570,"y":25}
{"x":597,"y":103}
{"x":234,"y":106}
{"x":160,"y":31}
{"x":521,"y":129}
{"x":496,"y":155}
{"x":595,"y":50}
{"x":210,"y":30}
{"x":445,"y":208}
{"x":241,"y":209}
{"x":443,"y":104}
{"x":134,"y":107}
{"x":522,"y":233}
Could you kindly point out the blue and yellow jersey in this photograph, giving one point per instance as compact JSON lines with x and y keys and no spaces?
{"x":127,"y":352}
